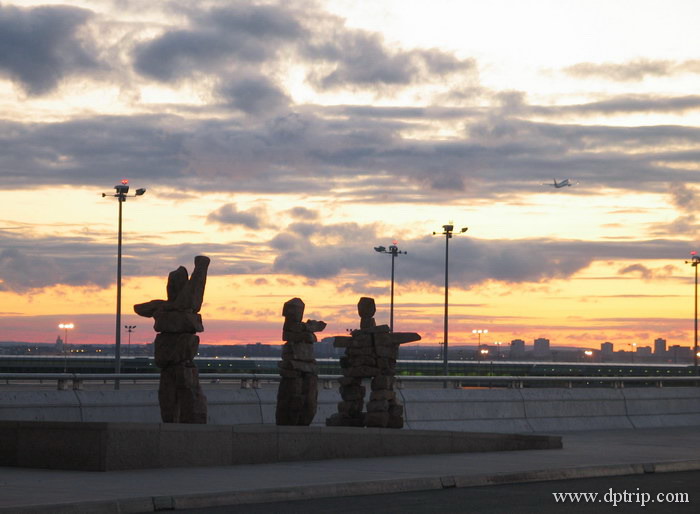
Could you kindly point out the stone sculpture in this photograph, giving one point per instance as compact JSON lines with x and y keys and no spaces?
{"x":370,"y":352}
{"x":297,"y":396}
{"x":177,"y":320}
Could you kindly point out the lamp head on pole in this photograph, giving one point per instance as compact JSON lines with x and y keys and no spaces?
{"x":448,"y":229}
{"x":122,"y":188}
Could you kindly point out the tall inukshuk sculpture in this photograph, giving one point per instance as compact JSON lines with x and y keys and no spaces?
{"x":177,"y":320}
{"x":297,"y":396}
{"x":370,"y":352}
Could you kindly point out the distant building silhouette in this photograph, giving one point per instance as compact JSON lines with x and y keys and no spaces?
{"x":517,"y":349}
{"x":660,"y":347}
{"x":59,"y":345}
{"x":679,"y":353}
{"x":644,"y":351}
{"x":606,"y":351}
{"x":541,"y":350}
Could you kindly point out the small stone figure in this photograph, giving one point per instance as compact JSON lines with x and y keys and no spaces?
{"x":177,"y":320}
{"x":370,"y":352}
{"x":297,"y":396}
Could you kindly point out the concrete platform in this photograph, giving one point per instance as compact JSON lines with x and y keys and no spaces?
{"x":585,"y":454}
{"x":122,"y":446}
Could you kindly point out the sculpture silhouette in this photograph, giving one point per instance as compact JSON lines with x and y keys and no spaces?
{"x":370,"y":352}
{"x":177,"y":320}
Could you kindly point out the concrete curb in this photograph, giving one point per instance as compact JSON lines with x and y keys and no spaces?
{"x":399,"y":485}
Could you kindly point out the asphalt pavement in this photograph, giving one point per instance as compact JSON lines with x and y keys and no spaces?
{"x":585,"y":455}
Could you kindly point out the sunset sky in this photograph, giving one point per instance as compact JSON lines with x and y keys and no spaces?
{"x":286,"y":139}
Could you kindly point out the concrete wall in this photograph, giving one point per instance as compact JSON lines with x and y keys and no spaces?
{"x":117,"y":446}
{"x":490,"y":410}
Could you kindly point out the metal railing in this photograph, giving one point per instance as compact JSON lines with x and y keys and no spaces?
{"x":255,"y":380}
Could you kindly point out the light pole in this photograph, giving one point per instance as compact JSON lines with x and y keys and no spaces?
{"x":483,"y":352}
{"x":695,"y":259}
{"x":121,"y":196}
{"x":498,"y":349}
{"x":65,"y":327}
{"x":129,"y":329}
{"x":447,"y":231}
{"x":394,"y":252}
{"x":480,"y":331}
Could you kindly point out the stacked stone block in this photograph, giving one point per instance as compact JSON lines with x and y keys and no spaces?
{"x":177,"y":321}
{"x":297,"y":396}
{"x":370,"y":352}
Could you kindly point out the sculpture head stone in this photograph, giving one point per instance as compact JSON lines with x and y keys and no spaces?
{"x":366,"y":307}
{"x":176,"y":282}
{"x":293,"y":310}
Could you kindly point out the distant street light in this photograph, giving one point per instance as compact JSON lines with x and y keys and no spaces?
{"x":130,"y":329}
{"x":121,"y":196}
{"x":695,"y":259}
{"x":480,"y":331}
{"x":394,"y":252}
{"x":498,"y":348}
{"x":448,"y":233}
{"x":66,"y":327}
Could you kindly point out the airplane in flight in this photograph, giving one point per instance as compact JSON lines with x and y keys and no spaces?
{"x":558,"y":185}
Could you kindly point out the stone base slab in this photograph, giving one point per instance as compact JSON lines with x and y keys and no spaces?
{"x":96,"y":446}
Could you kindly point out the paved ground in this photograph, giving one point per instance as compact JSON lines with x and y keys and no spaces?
{"x":652,"y":493}
{"x":591,"y":454}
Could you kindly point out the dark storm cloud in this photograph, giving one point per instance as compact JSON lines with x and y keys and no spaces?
{"x":230,"y":215}
{"x":632,"y":71}
{"x":28,"y":263}
{"x":305,"y":250}
{"x":31,"y":263}
{"x":255,"y":95}
{"x":647,"y":273}
{"x":684,"y":198}
{"x":241,"y":33}
{"x":237,"y":37}
{"x":340,"y":252}
{"x":627,"y":104}
{"x":310,"y":152}
{"x":41,"y":46}
{"x":95,"y":151}
{"x":403,"y":113}
{"x":302,"y":213}
{"x":361,"y":58}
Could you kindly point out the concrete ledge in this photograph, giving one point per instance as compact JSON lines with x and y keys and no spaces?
{"x":120,"y":446}
{"x":475,"y":410}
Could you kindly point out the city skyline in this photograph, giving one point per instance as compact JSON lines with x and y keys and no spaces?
{"x":285,"y":140}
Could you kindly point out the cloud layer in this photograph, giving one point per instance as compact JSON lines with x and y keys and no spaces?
{"x":284,"y":97}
